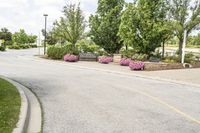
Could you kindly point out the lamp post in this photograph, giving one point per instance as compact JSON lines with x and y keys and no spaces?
{"x":184,"y":45}
{"x":45,"y":32}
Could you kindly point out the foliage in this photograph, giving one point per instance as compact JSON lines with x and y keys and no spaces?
{"x":189,"y":58}
{"x":105,"y":23}
{"x":136,"y":65}
{"x":140,"y":57}
{"x":71,"y":26}
{"x":186,"y":16}
{"x":105,"y":59}
{"x":22,"y":37}
{"x":58,"y":52}
{"x":127,"y":53}
{"x":2,"y":48}
{"x":87,"y":46}
{"x":141,"y":25}
{"x":51,"y":38}
{"x":21,"y":46}
{"x":6,"y":35}
{"x":194,"y":40}
{"x":10,"y":106}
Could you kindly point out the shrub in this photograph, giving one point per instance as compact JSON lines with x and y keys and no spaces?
{"x":33,"y":46}
{"x":70,"y":58}
{"x":14,"y":46}
{"x":2,"y":48}
{"x":136,"y":65}
{"x":127,"y":53}
{"x":23,"y":46}
{"x":140,"y":57}
{"x":58,"y":52}
{"x":105,"y":60}
{"x":189,"y":58}
{"x":85,"y":46}
{"x":125,"y":61}
{"x":19,"y":46}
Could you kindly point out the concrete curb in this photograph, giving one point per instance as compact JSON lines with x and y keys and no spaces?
{"x":30,"y":119}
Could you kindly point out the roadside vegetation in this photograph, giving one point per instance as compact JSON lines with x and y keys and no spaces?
{"x":135,"y":30}
{"x":18,"y":40}
{"x":139,"y":30}
{"x":9,"y":106}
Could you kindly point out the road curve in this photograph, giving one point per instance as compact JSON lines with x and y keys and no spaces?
{"x":78,"y":100}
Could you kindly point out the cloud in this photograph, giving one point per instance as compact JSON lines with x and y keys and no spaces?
{"x":28,"y":14}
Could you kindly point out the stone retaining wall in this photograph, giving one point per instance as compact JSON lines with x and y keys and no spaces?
{"x":151,"y":66}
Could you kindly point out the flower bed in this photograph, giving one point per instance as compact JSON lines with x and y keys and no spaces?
{"x":105,"y":60}
{"x":136,"y":65}
{"x":70,"y":58}
{"x":125,"y":61}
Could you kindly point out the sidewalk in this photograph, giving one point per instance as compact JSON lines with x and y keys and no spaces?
{"x":192,"y":76}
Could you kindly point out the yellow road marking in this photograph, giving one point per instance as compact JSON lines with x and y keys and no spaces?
{"x":178,"y":111}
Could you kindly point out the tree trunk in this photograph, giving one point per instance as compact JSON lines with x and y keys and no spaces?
{"x":180,"y":48}
{"x":126,"y":47}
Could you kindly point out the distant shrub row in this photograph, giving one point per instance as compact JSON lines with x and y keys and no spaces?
{"x":22,"y":46}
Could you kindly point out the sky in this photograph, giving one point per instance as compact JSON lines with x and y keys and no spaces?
{"x":28,"y":14}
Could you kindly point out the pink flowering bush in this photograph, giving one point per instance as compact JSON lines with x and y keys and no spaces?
{"x":125,"y":62}
{"x":136,"y":65}
{"x":105,"y":60}
{"x":70,"y":58}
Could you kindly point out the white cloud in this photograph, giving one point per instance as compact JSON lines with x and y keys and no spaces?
{"x":28,"y":14}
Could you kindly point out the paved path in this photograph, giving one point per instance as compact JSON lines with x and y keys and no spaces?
{"x":87,"y":100}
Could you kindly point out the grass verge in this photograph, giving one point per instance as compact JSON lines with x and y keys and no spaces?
{"x":10,"y":103}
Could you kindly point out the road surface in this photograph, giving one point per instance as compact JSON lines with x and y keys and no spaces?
{"x":80,"y":100}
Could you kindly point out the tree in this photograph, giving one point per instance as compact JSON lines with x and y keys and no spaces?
{"x":51,"y":38}
{"x":32,"y":38}
{"x":142,"y":25}
{"x":186,"y":16}
{"x":71,"y":26}
{"x":105,"y":23}
{"x":20,"y":37}
{"x":6,"y":36}
{"x":196,"y":40}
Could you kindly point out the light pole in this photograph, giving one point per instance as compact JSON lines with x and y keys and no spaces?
{"x":184,"y":45}
{"x":45,"y":33}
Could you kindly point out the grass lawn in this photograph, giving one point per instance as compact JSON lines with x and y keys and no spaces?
{"x":10,"y":103}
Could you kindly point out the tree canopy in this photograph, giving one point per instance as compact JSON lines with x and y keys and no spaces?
{"x":186,"y":16}
{"x":105,"y":23}
{"x":71,"y":26}
{"x":142,"y":25}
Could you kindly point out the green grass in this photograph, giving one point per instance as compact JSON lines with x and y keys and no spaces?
{"x":10,"y":103}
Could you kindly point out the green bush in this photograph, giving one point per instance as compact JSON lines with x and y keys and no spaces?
{"x":140,"y":57}
{"x":58,"y":52}
{"x":2,"y":48}
{"x":88,"y":46}
{"x":127,"y":53}
{"x":189,"y":58}
{"x":33,"y":46}
{"x":23,"y":46}
{"x":14,"y":46}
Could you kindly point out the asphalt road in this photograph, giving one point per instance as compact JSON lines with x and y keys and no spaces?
{"x":79,"y":100}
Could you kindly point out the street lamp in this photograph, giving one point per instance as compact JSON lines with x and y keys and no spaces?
{"x":45,"y":33}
